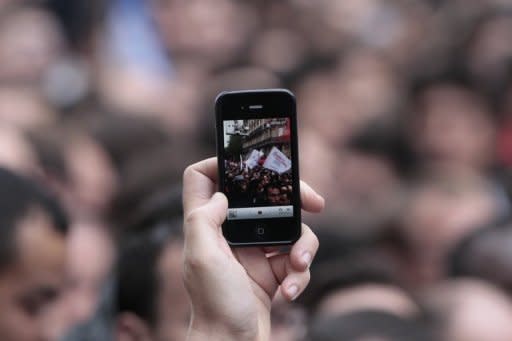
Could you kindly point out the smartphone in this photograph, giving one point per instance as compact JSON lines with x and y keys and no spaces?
{"x":258,"y":166}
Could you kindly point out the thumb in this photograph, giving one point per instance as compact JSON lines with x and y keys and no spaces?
{"x":217,"y":209}
{"x":207,"y":219}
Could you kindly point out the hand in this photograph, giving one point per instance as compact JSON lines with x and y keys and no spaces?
{"x":231,"y":290}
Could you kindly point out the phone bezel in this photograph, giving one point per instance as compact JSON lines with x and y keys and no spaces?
{"x":275,"y":103}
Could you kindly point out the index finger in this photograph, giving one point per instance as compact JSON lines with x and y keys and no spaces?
{"x":199,"y":184}
{"x":310,"y":199}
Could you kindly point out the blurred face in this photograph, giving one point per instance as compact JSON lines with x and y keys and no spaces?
{"x":173,"y":304}
{"x":203,"y":28}
{"x":87,"y":270}
{"x":491,"y":49}
{"x":368,"y":297}
{"x":89,"y":260}
{"x":438,"y":219}
{"x":92,"y":175}
{"x":29,"y":285}
{"x":273,"y":195}
{"x":361,"y":88}
{"x":279,"y":50}
{"x":456,"y":129}
{"x":29,"y":42}
{"x":370,"y":85}
{"x":474,"y":310}
{"x":322,"y":102}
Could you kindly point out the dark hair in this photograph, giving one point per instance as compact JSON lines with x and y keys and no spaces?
{"x":347,"y":273}
{"x":154,"y":225}
{"x":49,"y":149}
{"x":137,"y":268}
{"x":124,"y":136}
{"x":19,"y":196}
{"x":343,"y":263}
{"x":78,"y":19}
{"x":471,"y":257}
{"x":384,"y":139}
{"x":358,"y":325}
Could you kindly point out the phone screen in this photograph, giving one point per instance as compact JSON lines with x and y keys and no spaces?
{"x":258,"y":166}
{"x":258,"y":178}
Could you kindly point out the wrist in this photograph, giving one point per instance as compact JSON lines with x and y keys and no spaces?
{"x":208,"y":329}
{"x":211,"y":334}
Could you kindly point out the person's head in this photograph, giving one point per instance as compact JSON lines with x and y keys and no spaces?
{"x":373,"y":296}
{"x":27,"y":28}
{"x":347,"y":278}
{"x":453,"y":126}
{"x":90,"y":255}
{"x":440,"y":213}
{"x":273,"y":194}
{"x":91,"y":178}
{"x":488,"y":50}
{"x":152,"y":303}
{"x":485,"y":254}
{"x":195,"y":32}
{"x":149,"y":176}
{"x":368,"y":325}
{"x":32,"y":257}
{"x":470,"y":310}
{"x":242,"y":185}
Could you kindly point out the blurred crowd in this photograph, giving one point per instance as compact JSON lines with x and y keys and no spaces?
{"x":405,"y":126}
{"x":257,"y":186}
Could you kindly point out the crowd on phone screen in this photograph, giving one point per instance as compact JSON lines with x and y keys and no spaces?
{"x":256,"y":186}
{"x":405,"y":126}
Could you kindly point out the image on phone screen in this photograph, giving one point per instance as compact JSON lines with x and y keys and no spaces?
{"x":258,"y":179}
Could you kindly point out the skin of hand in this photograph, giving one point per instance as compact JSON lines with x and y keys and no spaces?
{"x":231,"y":290}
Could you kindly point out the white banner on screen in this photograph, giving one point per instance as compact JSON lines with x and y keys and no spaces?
{"x":277,"y":161}
{"x":252,"y":160}
{"x":260,"y":212}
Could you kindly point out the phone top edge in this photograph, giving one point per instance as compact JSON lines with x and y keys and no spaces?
{"x":253,"y":91}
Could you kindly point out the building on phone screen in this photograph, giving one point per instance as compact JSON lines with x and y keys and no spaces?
{"x":263,"y":134}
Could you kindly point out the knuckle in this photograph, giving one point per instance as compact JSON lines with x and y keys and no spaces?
{"x":194,"y":262}
{"x":199,"y":216}
{"x":188,"y":171}
{"x":194,"y":216}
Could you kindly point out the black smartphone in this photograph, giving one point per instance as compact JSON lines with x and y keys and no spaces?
{"x":258,"y":166}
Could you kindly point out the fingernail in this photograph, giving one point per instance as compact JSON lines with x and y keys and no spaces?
{"x":293,"y":290}
{"x":216,"y":196}
{"x":306,"y":258}
{"x":321,"y":198}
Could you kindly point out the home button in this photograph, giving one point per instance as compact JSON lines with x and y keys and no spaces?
{"x":260,"y":230}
